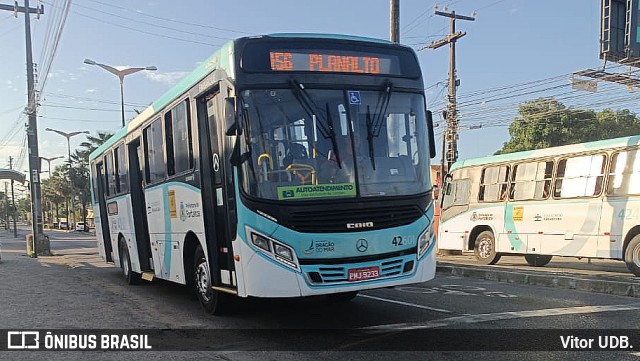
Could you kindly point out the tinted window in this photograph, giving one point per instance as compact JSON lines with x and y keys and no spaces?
{"x":494,"y":184}
{"x":121,"y":164}
{"x":110,"y":173}
{"x":579,"y":176}
{"x":531,"y":180}
{"x":624,"y":176}
{"x":154,"y":158}
{"x":179,"y":146}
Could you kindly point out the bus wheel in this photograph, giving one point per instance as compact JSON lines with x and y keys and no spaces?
{"x":632,"y":255}
{"x":212,"y":301}
{"x":537,"y":260}
{"x":132,"y":278}
{"x":485,"y":248}
{"x":342,"y":297}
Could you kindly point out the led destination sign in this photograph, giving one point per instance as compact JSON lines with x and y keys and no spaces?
{"x":333,"y":61}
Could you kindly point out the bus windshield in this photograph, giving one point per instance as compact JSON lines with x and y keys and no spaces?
{"x":310,"y":143}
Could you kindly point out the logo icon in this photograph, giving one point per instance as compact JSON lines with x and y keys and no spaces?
{"x":23,"y":340}
{"x":362,"y":245}
{"x":360,"y":225}
{"x":288,"y":194}
{"x":309,"y":250}
{"x":183,"y":213}
{"x":537,"y":218}
{"x":474,"y":217}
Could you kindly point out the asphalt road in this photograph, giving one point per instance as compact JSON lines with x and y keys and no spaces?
{"x":75,"y":289}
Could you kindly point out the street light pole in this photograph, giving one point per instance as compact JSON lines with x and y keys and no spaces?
{"x":68,"y":136}
{"x":49,"y":160}
{"x":120,"y":73}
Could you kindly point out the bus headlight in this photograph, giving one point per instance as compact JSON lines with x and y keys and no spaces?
{"x":273,"y":249}
{"x":283,"y":251}
{"x":425,"y":240}
{"x":260,"y":242}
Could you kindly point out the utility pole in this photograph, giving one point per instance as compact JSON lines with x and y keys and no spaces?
{"x":32,"y":129}
{"x":452,"y":116}
{"x":394,"y":25}
{"x":6,"y":206}
{"x":13,"y":204}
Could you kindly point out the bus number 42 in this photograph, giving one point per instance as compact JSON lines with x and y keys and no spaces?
{"x":397,"y":241}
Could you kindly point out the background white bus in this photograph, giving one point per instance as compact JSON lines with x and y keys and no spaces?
{"x":580,"y":200}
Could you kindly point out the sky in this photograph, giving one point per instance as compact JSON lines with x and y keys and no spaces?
{"x":515,"y":50}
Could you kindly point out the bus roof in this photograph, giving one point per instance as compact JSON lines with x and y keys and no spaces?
{"x":545,"y":152}
{"x":220,"y":59}
{"x":330,"y":36}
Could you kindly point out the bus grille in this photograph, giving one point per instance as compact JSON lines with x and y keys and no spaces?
{"x":336,"y":220}
{"x":338,"y":274}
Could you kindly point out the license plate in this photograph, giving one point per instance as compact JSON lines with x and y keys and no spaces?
{"x":365,"y":273}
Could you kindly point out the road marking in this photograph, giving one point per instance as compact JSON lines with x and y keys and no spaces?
{"x":488,"y":317}
{"x":405,"y":303}
{"x":53,"y":240}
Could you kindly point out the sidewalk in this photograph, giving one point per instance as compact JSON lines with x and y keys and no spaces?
{"x":590,"y":275}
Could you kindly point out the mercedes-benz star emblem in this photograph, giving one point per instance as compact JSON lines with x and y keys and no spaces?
{"x":362,"y":245}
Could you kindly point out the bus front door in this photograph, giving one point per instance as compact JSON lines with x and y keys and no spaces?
{"x":217,"y":189}
{"x":139,"y":205}
{"x":104,"y":219}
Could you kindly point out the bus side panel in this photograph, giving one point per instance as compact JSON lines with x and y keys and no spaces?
{"x":520,"y":230}
{"x":173,"y":210}
{"x":619,"y":215}
{"x":451,"y":228}
{"x":120,"y":219}
{"x":569,"y":227}
{"x":157,"y":219}
{"x":188,"y":218}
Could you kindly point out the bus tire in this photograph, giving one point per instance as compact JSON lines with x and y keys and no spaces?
{"x":132,"y":278}
{"x":537,"y":260}
{"x":342,"y":296}
{"x":212,"y":301}
{"x":632,"y":255}
{"x":485,"y":248}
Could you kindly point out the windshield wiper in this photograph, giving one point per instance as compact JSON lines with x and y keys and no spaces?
{"x":332,"y":134}
{"x":374,"y":126}
{"x":311,"y":109}
{"x":370,"y":138}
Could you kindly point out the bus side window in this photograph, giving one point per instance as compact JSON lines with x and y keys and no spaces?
{"x":624,"y":176}
{"x":493,"y":184}
{"x":580,"y":176}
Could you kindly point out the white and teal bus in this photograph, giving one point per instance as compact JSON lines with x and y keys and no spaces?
{"x":283,"y":166}
{"x":580,"y":200}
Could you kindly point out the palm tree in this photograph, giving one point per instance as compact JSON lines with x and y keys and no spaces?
{"x":80,"y":172}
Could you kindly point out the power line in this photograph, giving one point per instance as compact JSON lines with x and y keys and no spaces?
{"x":138,"y":21}
{"x":173,"y":20}
{"x":142,"y":31}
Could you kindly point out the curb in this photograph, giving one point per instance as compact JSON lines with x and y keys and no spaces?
{"x":574,"y":282}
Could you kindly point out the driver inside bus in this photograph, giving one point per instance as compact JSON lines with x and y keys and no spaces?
{"x":331,"y":172}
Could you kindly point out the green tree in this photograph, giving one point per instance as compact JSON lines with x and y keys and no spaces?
{"x":545,"y":122}
{"x":80,"y":172}
{"x":55,"y":192}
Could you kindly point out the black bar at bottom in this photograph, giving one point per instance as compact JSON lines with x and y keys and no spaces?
{"x":321,"y":340}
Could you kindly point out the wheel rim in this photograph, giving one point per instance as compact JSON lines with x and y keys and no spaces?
{"x":202,"y":281}
{"x":485,"y":247}
{"x":636,"y":255}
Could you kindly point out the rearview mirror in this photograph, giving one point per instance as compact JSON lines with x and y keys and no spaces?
{"x":232,"y":125}
{"x":432,"y":142}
